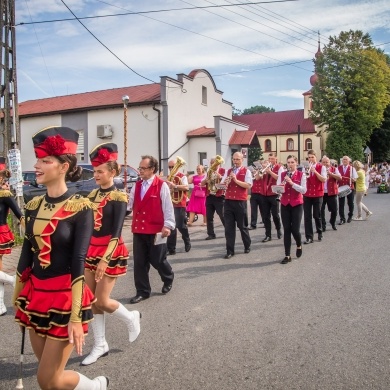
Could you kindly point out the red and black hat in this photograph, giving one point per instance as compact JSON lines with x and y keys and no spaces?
{"x":3,"y":164}
{"x":55,"y":141}
{"x":103,"y":153}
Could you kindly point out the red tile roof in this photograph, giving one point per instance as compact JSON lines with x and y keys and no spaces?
{"x":243,"y":137}
{"x":91,"y":100}
{"x":275,"y":123}
{"x":202,"y":132}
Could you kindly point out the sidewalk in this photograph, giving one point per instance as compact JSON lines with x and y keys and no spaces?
{"x":10,"y":262}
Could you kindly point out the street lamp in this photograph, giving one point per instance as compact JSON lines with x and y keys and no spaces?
{"x":125,"y":100}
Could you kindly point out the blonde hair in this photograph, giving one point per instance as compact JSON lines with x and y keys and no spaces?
{"x":357,"y":164}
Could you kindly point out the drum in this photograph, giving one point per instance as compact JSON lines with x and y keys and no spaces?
{"x":344,"y":191}
{"x":277,"y":189}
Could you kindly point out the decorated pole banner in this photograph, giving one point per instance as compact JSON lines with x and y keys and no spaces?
{"x":15,"y":167}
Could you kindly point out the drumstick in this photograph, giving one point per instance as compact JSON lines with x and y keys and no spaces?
{"x":19,"y":383}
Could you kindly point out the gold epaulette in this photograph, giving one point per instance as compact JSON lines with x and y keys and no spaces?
{"x":5,"y":193}
{"x":119,"y":196}
{"x":77,"y":203}
{"x":92,"y":194}
{"x":34,"y":203}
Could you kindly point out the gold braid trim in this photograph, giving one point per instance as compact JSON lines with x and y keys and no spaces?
{"x":77,"y":298}
{"x":77,"y":203}
{"x":110,"y":249}
{"x":17,"y":289}
{"x":34,"y":203}
{"x":5,"y":193}
{"x":93,"y":193}
{"x":118,"y":196}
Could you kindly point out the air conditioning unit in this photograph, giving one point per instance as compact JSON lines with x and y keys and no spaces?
{"x":104,"y":131}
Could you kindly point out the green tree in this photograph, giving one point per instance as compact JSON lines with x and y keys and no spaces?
{"x":254,"y":154}
{"x":351,"y":92}
{"x":380,"y":139}
{"x":257,"y":110}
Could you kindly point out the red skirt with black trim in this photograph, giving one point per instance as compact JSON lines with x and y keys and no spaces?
{"x":45,"y":305}
{"x":117,"y":266}
{"x":7,"y":240}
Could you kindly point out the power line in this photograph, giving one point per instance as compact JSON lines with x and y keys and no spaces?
{"x":148,"y":12}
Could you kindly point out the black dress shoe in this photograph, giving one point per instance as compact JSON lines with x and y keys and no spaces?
{"x":166,"y":288}
{"x":266,"y":239}
{"x":137,"y":299}
{"x":171,"y":253}
{"x":251,"y":227}
{"x":342,"y":222}
{"x":308,"y":241}
{"x":187,"y":247}
{"x":210,"y":238}
{"x":349,"y":220}
{"x":334,"y":227}
{"x":279,"y":234}
{"x":324,"y":228}
{"x":299,"y":252}
{"x":247,"y":250}
{"x":286,"y":260}
{"x":228,"y":256}
{"x":319,"y":236}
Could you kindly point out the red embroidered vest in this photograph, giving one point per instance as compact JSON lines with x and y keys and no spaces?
{"x":346,"y":177}
{"x":234,"y":191}
{"x":148,"y":217}
{"x":271,"y":181}
{"x":333,"y":188}
{"x":290,"y":196}
{"x":315,"y":187}
{"x":259,"y":186}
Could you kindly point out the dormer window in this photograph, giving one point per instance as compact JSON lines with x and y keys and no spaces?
{"x":204,"y":95}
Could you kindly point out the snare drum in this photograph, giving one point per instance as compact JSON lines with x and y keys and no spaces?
{"x":344,"y":191}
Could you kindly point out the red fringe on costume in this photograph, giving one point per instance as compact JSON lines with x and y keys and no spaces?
{"x":45,"y":306}
{"x":118,"y":263}
{"x":7,"y":240}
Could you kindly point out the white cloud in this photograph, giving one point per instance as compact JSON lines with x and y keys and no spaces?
{"x":290,"y":93}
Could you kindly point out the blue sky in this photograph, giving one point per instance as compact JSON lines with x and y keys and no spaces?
{"x":245,"y":48}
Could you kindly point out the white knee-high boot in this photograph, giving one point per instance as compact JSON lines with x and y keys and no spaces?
{"x":7,"y":279}
{"x":3,"y":308}
{"x":131,"y":319}
{"x":98,"y":383}
{"x":100,"y":347}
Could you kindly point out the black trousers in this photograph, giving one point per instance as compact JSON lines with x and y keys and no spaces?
{"x":214,"y":204}
{"x":235,"y":213}
{"x":145,"y":253}
{"x":291,"y":219}
{"x":181,"y":225}
{"x":331,"y":201}
{"x":256,"y":204}
{"x":350,"y":200}
{"x":312,"y":209}
{"x":270,"y":206}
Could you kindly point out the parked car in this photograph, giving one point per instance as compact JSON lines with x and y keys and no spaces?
{"x":28,"y":177}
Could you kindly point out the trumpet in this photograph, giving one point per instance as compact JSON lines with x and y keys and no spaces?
{"x":262,"y":170}
{"x":308,"y":169}
{"x":288,"y":174}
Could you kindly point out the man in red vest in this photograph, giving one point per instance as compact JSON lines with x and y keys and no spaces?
{"x":270,"y":200}
{"x":257,"y":194}
{"x":348,"y":177}
{"x":214,"y":199}
{"x":238,"y":180}
{"x":179,"y":188}
{"x":312,"y":200}
{"x":331,"y":190}
{"x":153,"y":221}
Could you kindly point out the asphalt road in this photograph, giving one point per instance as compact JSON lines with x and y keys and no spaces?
{"x":320,"y":322}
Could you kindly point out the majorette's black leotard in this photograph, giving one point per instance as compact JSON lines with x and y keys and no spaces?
{"x":50,"y":288}
{"x":107,"y":244}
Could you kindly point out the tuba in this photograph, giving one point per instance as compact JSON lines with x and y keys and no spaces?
{"x":212,"y":178}
{"x":176,"y":196}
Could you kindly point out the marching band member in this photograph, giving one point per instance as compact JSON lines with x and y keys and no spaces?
{"x":179,"y":187}
{"x":258,"y":191}
{"x":312,"y":199}
{"x":215,"y":197}
{"x":292,"y":206}
{"x":270,"y":200}
{"x":348,"y":177}
{"x":238,"y":180}
{"x":51,"y":297}
{"x":107,"y":254}
{"x":360,"y":191}
{"x":331,"y":191}
{"x":153,"y":221}
{"x":7,"y":239}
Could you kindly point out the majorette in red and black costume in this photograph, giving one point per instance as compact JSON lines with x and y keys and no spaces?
{"x":50,"y":290}
{"x":109,"y":211}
